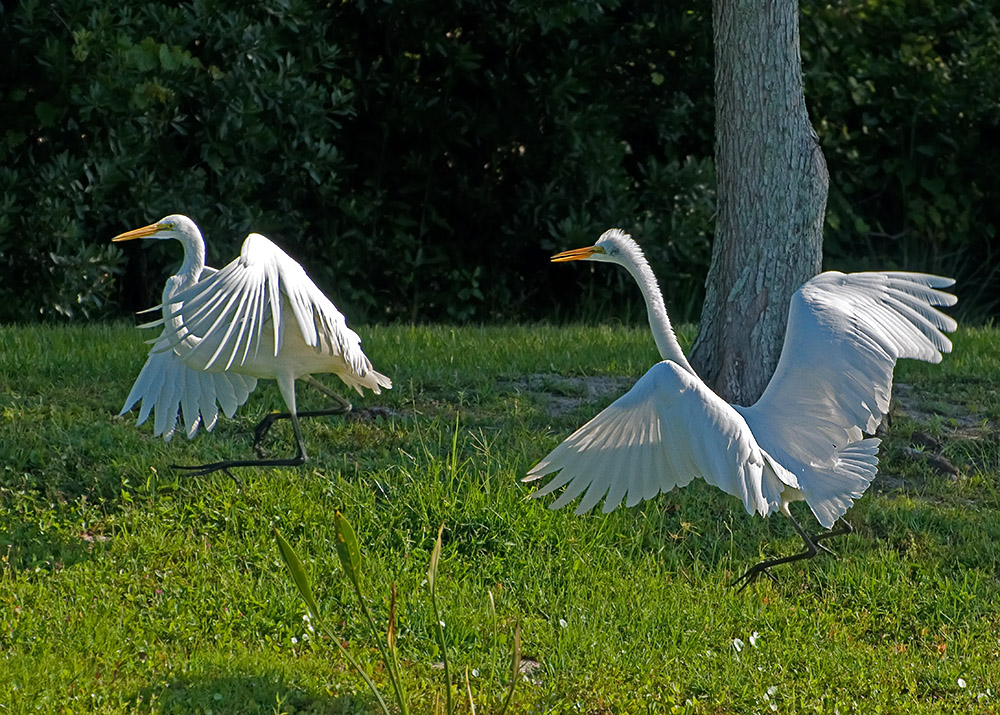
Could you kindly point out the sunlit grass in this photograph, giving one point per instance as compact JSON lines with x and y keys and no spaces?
{"x":128,"y":588}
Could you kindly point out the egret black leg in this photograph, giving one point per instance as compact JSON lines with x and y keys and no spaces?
{"x":264,"y":426}
{"x":844,"y":529}
{"x":261,"y":430}
{"x":300,"y":458}
{"x":754,"y":572}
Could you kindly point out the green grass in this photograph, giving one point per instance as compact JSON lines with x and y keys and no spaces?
{"x":128,"y":588}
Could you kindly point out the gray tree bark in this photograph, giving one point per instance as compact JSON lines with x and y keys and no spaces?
{"x":772,"y":189}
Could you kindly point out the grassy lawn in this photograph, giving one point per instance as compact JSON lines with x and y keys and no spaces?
{"x":127,"y":588}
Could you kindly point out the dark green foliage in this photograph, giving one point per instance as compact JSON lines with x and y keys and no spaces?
{"x":905,"y":96}
{"x":423,"y":161}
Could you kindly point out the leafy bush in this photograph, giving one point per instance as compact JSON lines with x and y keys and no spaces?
{"x":421,"y":162}
{"x":905,"y":96}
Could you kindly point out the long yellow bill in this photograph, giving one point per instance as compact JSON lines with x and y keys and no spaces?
{"x":144,"y":232}
{"x":577,"y":254}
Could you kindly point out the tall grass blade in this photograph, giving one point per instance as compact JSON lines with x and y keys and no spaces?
{"x":391,"y":637}
{"x":301,"y":580}
{"x":349,"y":552}
{"x":515,"y":667}
{"x":453,"y":458}
{"x":435,"y":558}
{"x":468,"y":691}
{"x":439,"y":629}
{"x":298,"y":572}
{"x":348,"y":549}
{"x":391,"y":632}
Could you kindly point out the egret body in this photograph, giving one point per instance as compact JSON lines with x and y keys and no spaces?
{"x":261,"y":316}
{"x":804,"y":439}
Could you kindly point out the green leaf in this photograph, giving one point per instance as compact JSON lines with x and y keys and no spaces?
{"x":934,"y":185}
{"x":435,"y":558}
{"x":348,"y":549}
{"x":46,"y":114}
{"x":298,"y":572}
{"x":167,"y":59}
{"x":391,"y":631}
{"x":145,"y":55}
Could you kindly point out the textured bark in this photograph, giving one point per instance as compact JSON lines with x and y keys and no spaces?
{"x":772,"y":188}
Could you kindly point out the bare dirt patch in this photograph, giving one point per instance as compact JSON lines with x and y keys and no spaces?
{"x":950,"y":409}
{"x":942,"y":421}
{"x":561,"y":395}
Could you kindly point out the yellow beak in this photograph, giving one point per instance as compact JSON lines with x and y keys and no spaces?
{"x":144,"y":232}
{"x":577,"y":254}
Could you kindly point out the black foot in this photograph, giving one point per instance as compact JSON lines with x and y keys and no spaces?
{"x":264,"y":426}
{"x":812,"y":548}
{"x":752,"y":574}
{"x":198,"y":470}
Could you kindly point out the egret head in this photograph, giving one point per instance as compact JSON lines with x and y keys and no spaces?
{"x":173,"y":226}
{"x":610,"y":247}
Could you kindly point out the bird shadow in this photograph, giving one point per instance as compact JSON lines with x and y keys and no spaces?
{"x":243,"y":693}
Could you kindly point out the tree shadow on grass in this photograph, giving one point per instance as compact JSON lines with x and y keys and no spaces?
{"x":245,"y":694}
{"x":27,"y":547}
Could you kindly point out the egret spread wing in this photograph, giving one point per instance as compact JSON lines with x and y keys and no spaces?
{"x":228,"y":311}
{"x":167,"y":386}
{"x":668,"y":429}
{"x":834,"y":377}
{"x":845,"y":332}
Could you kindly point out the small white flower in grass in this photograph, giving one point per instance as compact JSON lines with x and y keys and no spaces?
{"x":737,"y":645}
{"x":563,"y":623}
{"x":294,"y":640}
{"x":441,"y":623}
{"x":754,"y":637}
{"x":770,"y":692}
{"x":961,"y":682}
{"x":475,"y":673}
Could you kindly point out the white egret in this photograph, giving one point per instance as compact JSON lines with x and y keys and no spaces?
{"x":804,"y":439}
{"x":259,"y":317}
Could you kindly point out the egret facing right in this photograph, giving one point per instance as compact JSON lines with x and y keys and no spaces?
{"x":259,"y":317}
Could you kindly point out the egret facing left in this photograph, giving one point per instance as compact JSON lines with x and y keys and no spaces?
{"x":259,"y":317}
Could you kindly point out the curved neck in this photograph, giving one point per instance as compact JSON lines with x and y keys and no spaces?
{"x":194,"y":257}
{"x":187,"y":275}
{"x":659,"y":322}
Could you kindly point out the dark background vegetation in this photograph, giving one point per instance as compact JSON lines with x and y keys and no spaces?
{"x":423,"y":160}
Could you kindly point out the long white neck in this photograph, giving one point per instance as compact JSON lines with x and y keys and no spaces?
{"x":187,"y":275}
{"x":663,"y":332}
{"x":194,"y":257}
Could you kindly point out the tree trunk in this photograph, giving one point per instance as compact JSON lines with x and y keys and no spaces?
{"x":772,"y":188}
